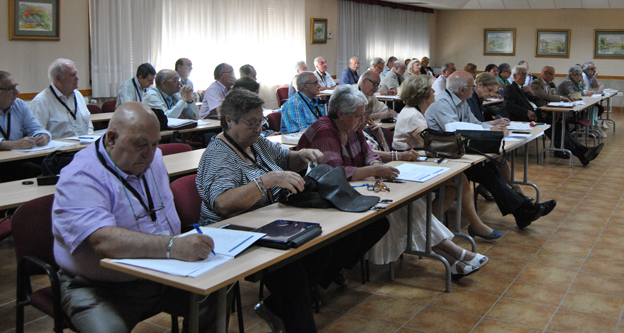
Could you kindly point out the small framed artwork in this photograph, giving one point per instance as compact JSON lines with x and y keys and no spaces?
{"x":608,"y":44}
{"x":552,"y":43}
{"x":318,"y":31}
{"x":499,"y":42}
{"x":34,"y":19}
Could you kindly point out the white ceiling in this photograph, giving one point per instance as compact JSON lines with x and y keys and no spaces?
{"x":513,"y":4}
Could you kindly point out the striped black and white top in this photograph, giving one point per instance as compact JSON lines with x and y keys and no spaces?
{"x":221,"y":169}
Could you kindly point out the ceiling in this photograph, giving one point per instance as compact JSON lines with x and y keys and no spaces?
{"x":514,"y":4}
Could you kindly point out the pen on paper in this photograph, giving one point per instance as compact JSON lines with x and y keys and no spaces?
{"x":196,"y":226}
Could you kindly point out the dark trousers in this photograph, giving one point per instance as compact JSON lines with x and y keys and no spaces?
{"x":507,"y":200}
{"x":569,"y":142}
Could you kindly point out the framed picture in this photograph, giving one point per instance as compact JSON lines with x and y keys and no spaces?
{"x":499,"y":42}
{"x":34,"y":19}
{"x":318,"y":31}
{"x":608,"y":44}
{"x":552,"y":43}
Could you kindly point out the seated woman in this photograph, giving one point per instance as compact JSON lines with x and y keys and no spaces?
{"x":241,"y":171}
{"x":425,"y":69}
{"x":339,"y":136}
{"x":413,"y":68}
{"x":417,"y":94}
{"x":472,"y":69}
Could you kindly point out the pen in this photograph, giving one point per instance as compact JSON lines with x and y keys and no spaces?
{"x":196,"y":226}
{"x":499,"y":117}
{"x":85,"y":137}
{"x":38,"y":135}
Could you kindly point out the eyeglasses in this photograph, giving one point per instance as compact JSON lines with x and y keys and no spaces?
{"x":551,"y":74}
{"x":375,"y":84}
{"x":11,"y":88}
{"x":315,"y":83}
{"x":576,"y":74}
{"x":378,"y":187}
{"x":255,"y":123}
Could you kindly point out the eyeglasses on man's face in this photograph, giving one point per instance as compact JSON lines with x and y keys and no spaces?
{"x":11,"y":88}
{"x":375,"y":84}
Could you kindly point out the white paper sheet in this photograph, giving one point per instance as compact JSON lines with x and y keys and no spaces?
{"x":519,"y":126}
{"x":419,"y":173}
{"x":179,"y":267}
{"x":561,"y":104}
{"x":85,"y":139}
{"x":229,"y":242}
{"x":454,"y":126}
{"x":51,"y":145}
{"x":176,"y":122}
{"x":389,"y":96}
{"x":326,"y":92}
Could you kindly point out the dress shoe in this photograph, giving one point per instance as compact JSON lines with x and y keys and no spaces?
{"x":592,"y":153}
{"x":487,"y":196}
{"x":524,"y":196}
{"x":530,"y":212}
{"x":562,"y":154}
{"x":494,"y":235}
{"x":275,"y":323}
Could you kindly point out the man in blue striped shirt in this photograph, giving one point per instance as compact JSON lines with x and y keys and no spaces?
{"x":302,"y":108}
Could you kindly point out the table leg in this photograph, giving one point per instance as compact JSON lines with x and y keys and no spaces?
{"x":459,"y":180}
{"x":194,"y":313}
{"x":222,"y":310}
{"x":525,"y":181}
{"x":553,"y":126}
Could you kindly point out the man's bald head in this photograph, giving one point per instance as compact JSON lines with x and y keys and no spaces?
{"x":369,"y":82}
{"x":548,"y":74}
{"x":461,"y":84}
{"x":132,"y":137}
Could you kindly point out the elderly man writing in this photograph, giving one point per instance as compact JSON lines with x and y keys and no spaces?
{"x":350,"y":75}
{"x":324,"y":78}
{"x":450,"y":106}
{"x":302,"y":109}
{"x":440,"y":83}
{"x":164,"y":96}
{"x":60,"y":108}
{"x":113,"y":201}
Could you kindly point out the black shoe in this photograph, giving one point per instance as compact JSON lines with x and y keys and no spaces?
{"x":530,"y":212}
{"x":340,"y":280}
{"x":275,"y":323}
{"x":592,"y":153}
{"x":562,"y":154}
{"x":481,"y":190}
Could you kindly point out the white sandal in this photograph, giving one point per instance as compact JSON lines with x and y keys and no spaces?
{"x":476,"y":261}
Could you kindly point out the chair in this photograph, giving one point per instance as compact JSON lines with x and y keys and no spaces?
{"x":109,"y":106}
{"x":93,"y":109}
{"x":5,"y":228}
{"x":282,"y":95}
{"x":188,"y":205}
{"x":275,"y":120}
{"x":174,"y":148}
{"x":389,"y":135}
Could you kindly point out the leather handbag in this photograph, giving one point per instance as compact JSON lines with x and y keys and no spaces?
{"x":162,"y":119}
{"x":443,"y":144}
{"x":483,"y":142}
{"x":327,"y":187}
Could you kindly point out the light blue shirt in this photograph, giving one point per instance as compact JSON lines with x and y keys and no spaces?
{"x":23,"y":122}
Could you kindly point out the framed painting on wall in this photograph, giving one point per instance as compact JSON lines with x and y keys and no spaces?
{"x":34,"y":19}
{"x":552,"y":43}
{"x":318,"y":31}
{"x":499,"y":42}
{"x":608,"y":44}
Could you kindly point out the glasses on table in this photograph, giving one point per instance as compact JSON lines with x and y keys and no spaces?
{"x":379,"y":186}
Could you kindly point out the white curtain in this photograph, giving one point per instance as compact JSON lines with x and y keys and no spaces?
{"x":126,"y":33}
{"x":370,"y":31}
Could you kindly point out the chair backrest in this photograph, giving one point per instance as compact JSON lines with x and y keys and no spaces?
{"x":174,"y":148}
{"x":5,"y":228}
{"x":93,"y":109}
{"x":32,"y":230}
{"x":109,"y":106}
{"x":282,"y":95}
{"x":389,"y":136}
{"x":186,"y":199}
{"x":275,"y":120}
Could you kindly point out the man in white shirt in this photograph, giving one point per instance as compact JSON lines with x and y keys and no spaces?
{"x":325,"y":80}
{"x":163,"y":96}
{"x":183,"y":67}
{"x":133,"y":89}
{"x":589,"y":77}
{"x":440,"y":83}
{"x":224,"y":80}
{"x":60,"y":108}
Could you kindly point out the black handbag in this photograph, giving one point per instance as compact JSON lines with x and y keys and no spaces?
{"x":162,"y":119}
{"x":480,"y":142}
{"x":327,"y":187}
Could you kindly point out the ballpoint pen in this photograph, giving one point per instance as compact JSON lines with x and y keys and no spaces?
{"x":196,"y":226}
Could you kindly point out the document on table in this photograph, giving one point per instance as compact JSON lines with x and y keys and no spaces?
{"x":561,"y":104}
{"x":519,"y":126}
{"x":454,"y":126}
{"x":596,"y":95}
{"x":174,"y":123}
{"x":578,"y":103}
{"x":388,"y":96}
{"x":326,"y":92}
{"x":291,"y":139}
{"x":419,"y":173}
{"x":51,"y":145}
{"x":494,"y":99}
{"x":228,"y":244}
{"x":85,"y":139}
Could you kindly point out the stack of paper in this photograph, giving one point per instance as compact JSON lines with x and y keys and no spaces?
{"x":291,"y":139}
{"x":519,"y":126}
{"x":389,"y":96}
{"x":326,"y":92}
{"x":596,"y":95}
{"x":174,"y":123}
{"x":51,"y":145}
{"x":85,"y":139}
{"x":452,"y":127}
{"x":419,"y":173}
{"x":561,"y":104}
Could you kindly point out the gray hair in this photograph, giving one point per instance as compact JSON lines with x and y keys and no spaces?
{"x":516,"y":70}
{"x":522,"y":63}
{"x":446,"y":66}
{"x":456,"y":82}
{"x":397,"y":63}
{"x":574,"y":68}
{"x":163,"y":75}
{"x":237,"y":103}
{"x":303,"y":78}
{"x":354,"y":57}
{"x":346,"y":98}
{"x":586,"y":65}
{"x":221,"y":68}
{"x":363,"y":78}
{"x":503,"y":67}
{"x":57,"y":68}
{"x":376,"y":61}
{"x":316,"y":60}
{"x":300,"y":64}
{"x":4,"y":75}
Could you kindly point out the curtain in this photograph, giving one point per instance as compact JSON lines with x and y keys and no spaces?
{"x":127,"y":33}
{"x":370,"y":31}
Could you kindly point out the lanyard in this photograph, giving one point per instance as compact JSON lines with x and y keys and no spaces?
{"x":322,"y":76}
{"x":318,"y":113}
{"x":7,"y":134}
{"x":150,"y":203}
{"x":244,"y":153}
{"x":354,"y":74}
{"x":137,"y":90}
{"x":65,"y":105}
{"x":165,"y":99}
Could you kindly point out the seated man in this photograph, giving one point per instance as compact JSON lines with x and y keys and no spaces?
{"x":133,"y":89}
{"x":302,"y":109}
{"x":377,"y":65}
{"x":545,"y":92}
{"x":388,"y":68}
{"x":247,"y":71}
{"x":163,"y":96}
{"x":299,"y":67}
{"x":440,"y":83}
{"x":324,"y":78}
{"x":19,"y":129}
{"x":104,"y":207}
{"x":450,"y":106}
{"x":60,"y":108}
{"x":504,"y":72}
{"x":183,"y":67}
{"x":393,"y":78}
{"x":350,"y":75}
{"x":368,"y":84}
{"x":224,"y":80}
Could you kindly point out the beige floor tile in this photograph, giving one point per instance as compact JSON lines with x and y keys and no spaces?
{"x":485,"y":283}
{"x":549,"y":275}
{"x":611,"y":241}
{"x":582,"y":226}
{"x":432,"y":319}
{"x":465,"y":301}
{"x":604,"y":267}
{"x":534,"y":315}
{"x":536,"y":292}
{"x":502,"y":267}
{"x":423,"y":293}
{"x":575,"y":236}
{"x":496,"y":326}
{"x":573,"y":248}
{"x":357,"y":324}
{"x":388,"y":309}
{"x":599,"y":283}
{"x":607,"y":253}
{"x":561,"y":260}
{"x":511,"y":252}
{"x":594,"y":303}
{"x":570,"y":321}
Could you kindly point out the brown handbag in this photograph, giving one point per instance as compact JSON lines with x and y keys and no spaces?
{"x":443,"y":144}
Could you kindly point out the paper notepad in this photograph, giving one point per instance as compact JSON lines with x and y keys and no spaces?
{"x":457,"y":125}
{"x":519,"y":126}
{"x":419,"y":173}
{"x":228,"y":244}
{"x":51,"y":145}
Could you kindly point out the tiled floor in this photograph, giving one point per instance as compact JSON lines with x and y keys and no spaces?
{"x":565,"y":273}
